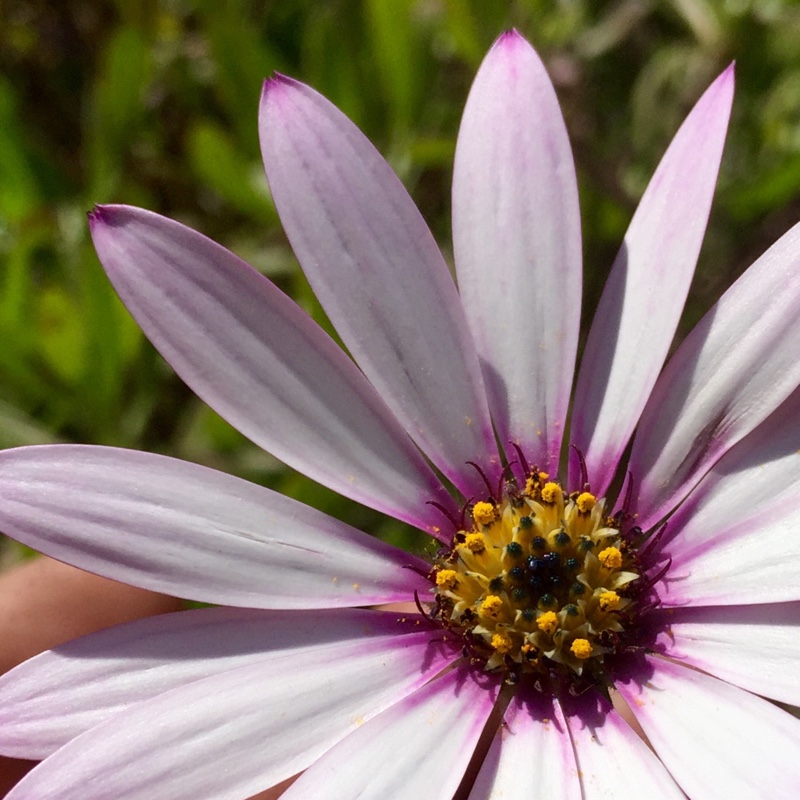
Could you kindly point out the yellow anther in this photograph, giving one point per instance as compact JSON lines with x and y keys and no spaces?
{"x":609,"y":601}
{"x":483,"y":513}
{"x":529,"y":651}
{"x":585,"y":502}
{"x":551,"y":493}
{"x":547,"y":622}
{"x":447,"y":579}
{"x":610,"y":558}
{"x":543,"y":476}
{"x":491,"y":606}
{"x":581,"y":648}
{"x":501,"y":642}
{"x":475,"y":543}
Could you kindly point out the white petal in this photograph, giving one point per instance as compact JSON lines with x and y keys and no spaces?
{"x":379,"y":275}
{"x":613,"y":761}
{"x":58,"y":695}
{"x":517,"y":243}
{"x":716,"y":740}
{"x":261,"y":362}
{"x":732,"y":371}
{"x":531,"y":755}
{"x":755,"y":647}
{"x":182,"y":529}
{"x":419,"y":748}
{"x":644,"y":296}
{"x":733,"y":541}
{"x":231,"y":735}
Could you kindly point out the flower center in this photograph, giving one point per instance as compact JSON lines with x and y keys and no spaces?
{"x":540,"y":582}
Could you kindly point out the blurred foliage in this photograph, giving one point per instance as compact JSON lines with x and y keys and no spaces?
{"x":154,"y":103}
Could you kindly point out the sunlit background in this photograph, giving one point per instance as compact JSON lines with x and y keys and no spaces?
{"x":155,"y":104}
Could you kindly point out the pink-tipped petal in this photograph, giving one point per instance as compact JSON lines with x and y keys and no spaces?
{"x":643,"y":299}
{"x":531,"y":755}
{"x":58,"y":695}
{"x":261,"y":362}
{"x":378,"y":272}
{"x":418,"y":748}
{"x":715,"y":739}
{"x":517,"y":242}
{"x":234,"y":734}
{"x":755,"y":647}
{"x":732,"y":371}
{"x":182,"y":529}
{"x":733,"y":541}
{"x":614,"y":763}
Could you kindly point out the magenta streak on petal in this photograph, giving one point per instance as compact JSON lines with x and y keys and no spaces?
{"x":531,"y":755}
{"x":517,"y":243}
{"x":234,"y":734}
{"x":380,"y":277}
{"x":182,"y":529}
{"x":420,"y":747}
{"x":730,"y":373}
{"x":642,"y":301}
{"x":731,"y":541}
{"x":716,"y":739}
{"x":613,"y":761}
{"x":60,"y":694}
{"x":755,"y":647}
{"x":262,"y":363}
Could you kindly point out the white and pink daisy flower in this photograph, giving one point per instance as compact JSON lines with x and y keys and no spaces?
{"x":550,"y":604}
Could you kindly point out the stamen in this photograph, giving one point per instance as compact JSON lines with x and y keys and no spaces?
{"x":610,"y":558}
{"x":548,"y":622}
{"x":581,"y":648}
{"x":609,"y":601}
{"x":540,"y":583}
{"x":483,"y":513}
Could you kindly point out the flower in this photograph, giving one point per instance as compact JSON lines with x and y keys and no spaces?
{"x":547,"y":602}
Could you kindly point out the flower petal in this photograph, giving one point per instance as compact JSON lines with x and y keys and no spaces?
{"x":261,"y":362}
{"x":715,"y":739}
{"x":58,"y":695}
{"x":531,"y":755}
{"x":379,"y":275}
{"x":237,"y":733}
{"x":755,"y":647}
{"x":436,"y":730}
{"x":175,"y":527}
{"x":644,"y":296}
{"x":732,"y":371}
{"x":517,"y":242}
{"x":733,"y":541}
{"x":614,"y":763}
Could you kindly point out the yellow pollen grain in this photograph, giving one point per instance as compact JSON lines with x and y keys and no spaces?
{"x":528,"y":651}
{"x":447,"y":579}
{"x":543,"y":476}
{"x":585,"y":502}
{"x":483,"y":513}
{"x":501,"y":642}
{"x":550,"y":492}
{"x":475,"y":543}
{"x":610,"y":558}
{"x":548,"y":622}
{"x":491,"y":606}
{"x":581,"y":648}
{"x":609,"y":601}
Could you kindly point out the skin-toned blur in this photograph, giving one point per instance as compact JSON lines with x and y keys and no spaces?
{"x":44,"y":603}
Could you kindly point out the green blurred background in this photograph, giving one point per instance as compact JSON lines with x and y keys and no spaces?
{"x":155,"y":103}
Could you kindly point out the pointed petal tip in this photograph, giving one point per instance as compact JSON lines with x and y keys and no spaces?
{"x":510,"y":38}
{"x":108,"y":215}
{"x":99,"y":214}
{"x":275,"y":83}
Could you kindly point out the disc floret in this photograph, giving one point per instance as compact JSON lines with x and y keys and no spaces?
{"x":538,"y":582}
